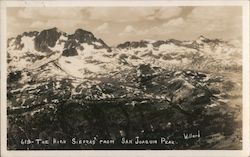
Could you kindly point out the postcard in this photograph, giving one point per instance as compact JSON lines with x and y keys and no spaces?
{"x":125,"y":78}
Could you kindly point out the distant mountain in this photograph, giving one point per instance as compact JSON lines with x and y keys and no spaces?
{"x":175,"y":52}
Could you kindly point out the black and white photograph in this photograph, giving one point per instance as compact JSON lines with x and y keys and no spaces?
{"x":157,"y":77}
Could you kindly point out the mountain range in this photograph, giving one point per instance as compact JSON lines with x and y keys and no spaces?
{"x":76,"y":85}
{"x":81,"y":54}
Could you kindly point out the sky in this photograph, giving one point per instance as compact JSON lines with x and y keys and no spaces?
{"x":115,"y":25}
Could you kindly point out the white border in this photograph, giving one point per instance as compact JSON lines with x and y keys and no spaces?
{"x":122,"y":153}
{"x":246,"y":78}
{"x":123,"y":3}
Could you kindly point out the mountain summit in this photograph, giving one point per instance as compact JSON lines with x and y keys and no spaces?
{"x":46,"y":39}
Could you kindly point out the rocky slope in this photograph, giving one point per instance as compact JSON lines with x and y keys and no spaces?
{"x":74,"y":85}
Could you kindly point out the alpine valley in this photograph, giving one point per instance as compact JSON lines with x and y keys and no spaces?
{"x":75,"y":86}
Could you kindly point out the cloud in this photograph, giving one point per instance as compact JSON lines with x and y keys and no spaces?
{"x":132,"y":14}
{"x":211,"y":13}
{"x":218,"y":22}
{"x":27,"y":13}
{"x":102,"y":29}
{"x":120,"y":14}
{"x":66,"y":19}
{"x":37,"y":24}
{"x":128,"y":30}
{"x":172,"y":25}
{"x":168,"y":12}
{"x":224,"y":20}
{"x":49,"y":13}
{"x":174,"y":22}
{"x":65,"y":23}
{"x":136,"y":22}
{"x":117,"y":14}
